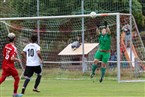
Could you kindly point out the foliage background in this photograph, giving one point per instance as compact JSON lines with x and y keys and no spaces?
{"x":24,"y":8}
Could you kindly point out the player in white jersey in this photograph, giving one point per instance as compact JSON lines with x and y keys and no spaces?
{"x":33,"y":58}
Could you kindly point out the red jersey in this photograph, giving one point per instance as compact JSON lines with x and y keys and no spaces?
{"x":8,"y":51}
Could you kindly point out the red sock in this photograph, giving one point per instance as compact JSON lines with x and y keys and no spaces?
{"x":16,"y":84}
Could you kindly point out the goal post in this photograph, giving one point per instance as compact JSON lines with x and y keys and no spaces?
{"x":118,"y":46}
{"x":57,"y":33}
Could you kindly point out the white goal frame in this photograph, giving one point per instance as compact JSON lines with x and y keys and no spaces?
{"x":82,"y":16}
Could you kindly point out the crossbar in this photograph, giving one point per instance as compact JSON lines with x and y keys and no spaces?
{"x":58,"y":17}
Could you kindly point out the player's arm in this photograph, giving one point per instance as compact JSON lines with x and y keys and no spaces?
{"x":24,"y":56}
{"x":108,"y":30}
{"x":39,"y":54}
{"x":13,"y":58}
{"x":97,"y":31}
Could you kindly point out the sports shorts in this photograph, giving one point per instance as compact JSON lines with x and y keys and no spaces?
{"x":30,"y":70}
{"x":10,"y":72}
{"x":102,"y":56}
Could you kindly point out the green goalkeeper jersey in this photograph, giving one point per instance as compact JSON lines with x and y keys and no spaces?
{"x":104,"y":41}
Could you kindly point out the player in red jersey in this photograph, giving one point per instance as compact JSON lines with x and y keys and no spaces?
{"x":8,"y":68}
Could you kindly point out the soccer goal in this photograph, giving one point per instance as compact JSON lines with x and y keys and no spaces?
{"x":56,"y":34}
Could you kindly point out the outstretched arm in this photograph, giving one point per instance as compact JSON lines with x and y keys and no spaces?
{"x":97,"y":31}
{"x":108,"y":30}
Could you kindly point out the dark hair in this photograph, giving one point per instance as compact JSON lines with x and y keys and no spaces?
{"x":11,"y":39}
{"x":34,"y":38}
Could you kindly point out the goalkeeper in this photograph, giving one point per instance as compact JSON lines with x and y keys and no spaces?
{"x":103,"y":53}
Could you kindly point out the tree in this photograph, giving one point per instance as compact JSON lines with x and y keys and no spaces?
{"x":68,"y":7}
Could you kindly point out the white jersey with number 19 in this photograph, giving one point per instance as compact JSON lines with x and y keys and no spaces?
{"x":32,"y":58}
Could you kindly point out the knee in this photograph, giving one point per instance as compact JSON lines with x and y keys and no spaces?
{"x":39,"y":76}
{"x":28,"y":78}
{"x":96,"y":61}
{"x":103,"y":65}
{"x":17,"y":78}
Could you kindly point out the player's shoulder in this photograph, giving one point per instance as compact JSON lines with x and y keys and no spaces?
{"x":27,"y":45}
{"x":10,"y":46}
{"x":35,"y":45}
{"x":31,"y":44}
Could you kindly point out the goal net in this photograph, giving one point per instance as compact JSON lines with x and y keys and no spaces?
{"x":55,"y":33}
{"x":131,"y":51}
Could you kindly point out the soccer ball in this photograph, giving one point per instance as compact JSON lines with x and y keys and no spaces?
{"x":93,"y":14}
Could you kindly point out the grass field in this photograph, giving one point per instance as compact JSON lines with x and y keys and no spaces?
{"x":84,"y":87}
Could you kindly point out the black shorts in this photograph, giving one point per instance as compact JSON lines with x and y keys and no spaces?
{"x":30,"y":70}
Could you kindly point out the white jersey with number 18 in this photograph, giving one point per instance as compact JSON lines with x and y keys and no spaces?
{"x":32,"y":58}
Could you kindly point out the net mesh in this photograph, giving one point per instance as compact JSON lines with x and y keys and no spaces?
{"x":55,"y":34}
{"x":131,"y":69}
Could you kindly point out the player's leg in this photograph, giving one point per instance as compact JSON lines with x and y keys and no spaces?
{"x":38,"y":71}
{"x":16,"y":83}
{"x":97,"y":57}
{"x":16,"y":77}
{"x":27,"y":79}
{"x":28,"y":74}
{"x":94,"y":67}
{"x":37,"y":82}
{"x":105,"y":59}
{"x":3,"y":77}
{"x":103,"y":70}
{"x":5,"y":73}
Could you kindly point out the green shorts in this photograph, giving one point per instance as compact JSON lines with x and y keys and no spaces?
{"x":102,"y":56}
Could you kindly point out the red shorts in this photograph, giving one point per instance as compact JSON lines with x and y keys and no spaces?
{"x":10,"y":72}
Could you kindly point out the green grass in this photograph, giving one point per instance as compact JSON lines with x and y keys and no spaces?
{"x":51,"y":87}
